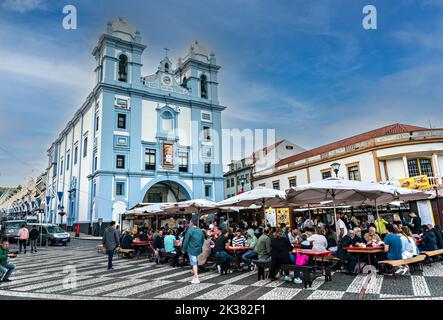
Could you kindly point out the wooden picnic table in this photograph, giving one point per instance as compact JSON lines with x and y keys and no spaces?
{"x":315,"y":256}
{"x":238,"y":251}
{"x":368,"y":250}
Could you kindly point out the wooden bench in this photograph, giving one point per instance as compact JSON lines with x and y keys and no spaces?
{"x":224,"y":265}
{"x":306,"y":272}
{"x":100,"y":248}
{"x":261,"y":268}
{"x":127,"y":252}
{"x":392,"y":264}
{"x":172,"y":257}
{"x":430,"y":254}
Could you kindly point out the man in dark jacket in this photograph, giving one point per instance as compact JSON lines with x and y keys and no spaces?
{"x":343,"y":255}
{"x":280,"y":253}
{"x":429,"y":239}
{"x":438,"y":236}
{"x":159,"y":246}
{"x":111,"y":240}
{"x":415,"y":223}
{"x":33,"y":237}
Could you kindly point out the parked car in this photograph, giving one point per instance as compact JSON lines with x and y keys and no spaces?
{"x":10,"y":229}
{"x":51,"y":234}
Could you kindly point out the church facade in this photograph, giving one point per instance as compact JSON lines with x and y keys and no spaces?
{"x":138,"y":138}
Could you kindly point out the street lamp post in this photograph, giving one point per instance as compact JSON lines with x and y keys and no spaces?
{"x":335,"y":167}
{"x":438,"y":204}
{"x":242,"y":182}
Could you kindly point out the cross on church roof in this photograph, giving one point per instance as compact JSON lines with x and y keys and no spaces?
{"x":166,"y":52}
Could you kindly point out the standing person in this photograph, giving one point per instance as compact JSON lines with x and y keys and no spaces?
{"x":111,"y":240}
{"x":414,"y":223}
{"x":193,"y":245}
{"x":380,"y":226}
{"x":33,"y":236}
{"x":23,"y":236}
{"x":342,"y":229}
{"x":208,"y":244}
{"x":5,"y":268}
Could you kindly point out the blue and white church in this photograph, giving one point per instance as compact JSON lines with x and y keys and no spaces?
{"x":136,"y":138}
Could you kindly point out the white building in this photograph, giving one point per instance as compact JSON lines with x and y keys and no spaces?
{"x":390,"y":153}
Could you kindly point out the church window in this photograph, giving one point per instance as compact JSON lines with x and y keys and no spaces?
{"x":123,"y":68}
{"x":204,"y":86}
{"x":167,"y":121}
{"x":167,"y":67}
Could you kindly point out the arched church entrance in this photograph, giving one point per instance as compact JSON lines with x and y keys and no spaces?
{"x":166,"y":191}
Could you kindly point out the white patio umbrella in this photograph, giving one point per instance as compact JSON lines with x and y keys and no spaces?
{"x":263,"y":197}
{"x":190,"y":206}
{"x":340,"y":192}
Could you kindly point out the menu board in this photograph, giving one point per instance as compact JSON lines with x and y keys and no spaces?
{"x":283,"y":217}
{"x":168,"y":155}
{"x":271,"y":218}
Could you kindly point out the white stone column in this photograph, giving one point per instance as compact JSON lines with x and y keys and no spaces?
{"x":437,"y":172}
{"x":405,"y":165}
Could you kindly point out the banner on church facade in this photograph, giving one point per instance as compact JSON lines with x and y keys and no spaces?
{"x":168,"y":155}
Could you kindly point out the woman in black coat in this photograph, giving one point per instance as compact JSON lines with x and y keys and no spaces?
{"x":280,"y":254}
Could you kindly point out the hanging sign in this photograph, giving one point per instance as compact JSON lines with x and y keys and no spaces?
{"x":416,"y":183}
{"x":168,"y":156}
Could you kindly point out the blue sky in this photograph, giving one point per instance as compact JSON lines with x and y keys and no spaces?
{"x":306,"y":68}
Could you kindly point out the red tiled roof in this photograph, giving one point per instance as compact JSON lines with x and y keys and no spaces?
{"x":385,"y":131}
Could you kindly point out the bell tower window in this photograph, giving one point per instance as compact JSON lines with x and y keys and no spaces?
{"x":204,"y":86}
{"x":123,"y":68}
{"x":167,"y":67}
{"x":185,"y":83}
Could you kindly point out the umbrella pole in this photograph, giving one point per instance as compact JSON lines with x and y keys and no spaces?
{"x":337,"y":228}
{"x":264,"y":211}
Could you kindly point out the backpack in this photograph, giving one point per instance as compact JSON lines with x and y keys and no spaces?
{"x":301,"y":259}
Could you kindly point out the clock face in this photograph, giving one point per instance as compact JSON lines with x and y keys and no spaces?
{"x":167,"y":80}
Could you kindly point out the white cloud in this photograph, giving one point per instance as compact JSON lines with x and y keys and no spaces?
{"x":23,"y":6}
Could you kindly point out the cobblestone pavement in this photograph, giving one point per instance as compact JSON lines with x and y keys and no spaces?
{"x":48,"y":275}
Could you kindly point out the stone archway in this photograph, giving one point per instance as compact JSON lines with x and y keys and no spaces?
{"x":166,"y":191}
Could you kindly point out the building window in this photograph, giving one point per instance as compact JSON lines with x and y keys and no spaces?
{"x":123,"y":68}
{"x":206,"y":134}
{"x":276,"y":185}
{"x":228,"y":183}
{"x":96,"y":123}
{"x":417,"y":167}
{"x":354,"y":173}
{"x":68,"y":160}
{"x":121,"y":121}
{"x":120,"y":163}
{"x":95,"y":163}
{"x":263,"y":185}
{"x":167,"y":67}
{"x":94,"y":189}
{"x":61,"y":167}
{"x":120,"y":189}
{"x":75,"y":155}
{"x":167,"y":121}
{"x":292,"y":182}
{"x":247,"y":178}
{"x":207,"y":167}
{"x":204,"y":86}
{"x":208,"y":191}
{"x":183,"y":162}
{"x":326,"y":174}
{"x":150,"y":159}
{"x":232,"y":182}
{"x":85,"y":147}
{"x":185,"y":83}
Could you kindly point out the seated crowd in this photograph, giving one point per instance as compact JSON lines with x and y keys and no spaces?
{"x":276,"y":245}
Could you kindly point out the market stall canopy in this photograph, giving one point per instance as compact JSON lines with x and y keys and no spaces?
{"x":189,"y":207}
{"x":258,"y":197}
{"x":342,"y":192}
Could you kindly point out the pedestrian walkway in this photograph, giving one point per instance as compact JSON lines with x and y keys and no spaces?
{"x":78,"y":271}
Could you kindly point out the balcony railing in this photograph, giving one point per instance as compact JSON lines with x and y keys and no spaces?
{"x":436,"y":181}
